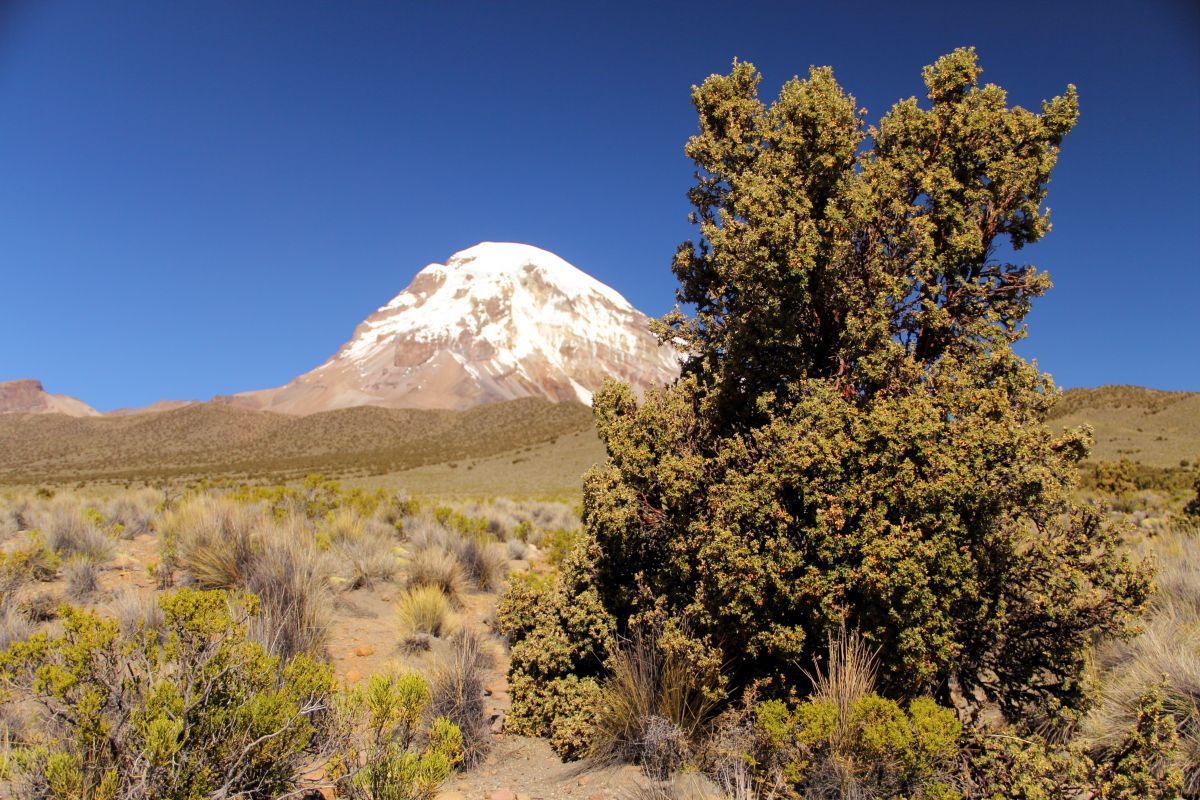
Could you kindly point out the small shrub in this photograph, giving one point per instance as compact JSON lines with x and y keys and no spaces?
{"x":208,"y":714}
{"x":424,"y":610}
{"x":82,"y":579}
{"x":457,"y":694}
{"x":384,"y":759}
{"x":32,"y":561}
{"x":559,"y":544}
{"x":560,"y":639}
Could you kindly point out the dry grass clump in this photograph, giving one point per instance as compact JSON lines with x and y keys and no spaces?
{"x":362,"y":547}
{"x":134,"y":611}
{"x":654,"y":709}
{"x":457,"y":693}
{"x":1166,"y":653}
{"x":289,"y":578}
{"x":82,"y":577}
{"x":424,"y":610}
{"x":69,"y":532}
{"x":222,"y":544}
{"x":15,"y":516}
{"x":517,"y":549}
{"x":133,"y":511}
{"x":485,"y":563}
{"x":439,"y":569}
{"x":211,"y":539}
{"x":15,"y":626}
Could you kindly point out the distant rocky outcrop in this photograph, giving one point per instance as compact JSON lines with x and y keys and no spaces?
{"x":28,"y":396}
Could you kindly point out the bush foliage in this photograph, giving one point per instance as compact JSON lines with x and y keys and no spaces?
{"x":853,"y":441}
{"x":194,"y":710}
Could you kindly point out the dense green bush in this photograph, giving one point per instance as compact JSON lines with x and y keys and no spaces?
{"x":853,"y":440}
{"x":871,"y":748}
{"x":191,"y":710}
{"x":560,"y":637}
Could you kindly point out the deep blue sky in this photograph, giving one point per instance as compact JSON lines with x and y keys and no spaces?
{"x":206,"y":197}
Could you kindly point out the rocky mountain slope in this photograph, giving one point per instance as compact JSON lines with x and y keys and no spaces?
{"x":497,"y":321}
{"x":28,"y":396}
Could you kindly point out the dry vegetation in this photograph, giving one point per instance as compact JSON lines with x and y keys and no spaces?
{"x":420,"y":581}
{"x":206,"y":440}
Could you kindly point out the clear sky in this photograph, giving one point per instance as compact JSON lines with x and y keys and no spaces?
{"x":206,"y":197}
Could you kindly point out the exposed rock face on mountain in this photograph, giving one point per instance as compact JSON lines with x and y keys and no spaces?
{"x":28,"y":396}
{"x":495,"y":322}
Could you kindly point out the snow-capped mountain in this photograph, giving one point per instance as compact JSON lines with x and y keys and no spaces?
{"x":496,"y":322}
{"x":28,"y":396}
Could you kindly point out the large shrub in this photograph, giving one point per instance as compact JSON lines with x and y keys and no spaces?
{"x":193,"y":709}
{"x":854,"y":441}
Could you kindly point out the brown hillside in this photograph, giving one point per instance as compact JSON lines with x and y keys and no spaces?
{"x":209,"y":439}
{"x":1147,"y":425}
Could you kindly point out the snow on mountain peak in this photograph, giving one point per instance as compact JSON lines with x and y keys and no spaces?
{"x":497,"y":321}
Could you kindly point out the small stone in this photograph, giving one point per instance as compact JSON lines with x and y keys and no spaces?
{"x":315,"y":775}
{"x":327,"y":793}
{"x":364,"y":650}
{"x":353,"y":676}
{"x":451,"y":796}
{"x":501,"y":794}
{"x":585,"y":780}
{"x":497,"y":724}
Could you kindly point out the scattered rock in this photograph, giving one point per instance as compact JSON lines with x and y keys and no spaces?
{"x":364,"y":650}
{"x":450,"y":796}
{"x":315,"y":775}
{"x":585,"y":780}
{"x":353,"y":676}
{"x":501,"y":794}
{"x":496,"y":723}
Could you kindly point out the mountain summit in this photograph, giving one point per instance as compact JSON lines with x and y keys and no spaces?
{"x":497,"y":321}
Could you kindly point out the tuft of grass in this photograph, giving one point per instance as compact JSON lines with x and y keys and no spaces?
{"x":82,"y":578}
{"x":424,"y":610}
{"x":289,"y":578}
{"x":485,"y":563}
{"x":655,"y":708}
{"x":1166,"y":654}
{"x":69,"y":532}
{"x":362,"y":547}
{"x":15,"y":626}
{"x":849,"y":673}
{"x":438,"y":568}
{"x":135,"y":611}
{"x":212,"y":539}
{"x":457,"y":694}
